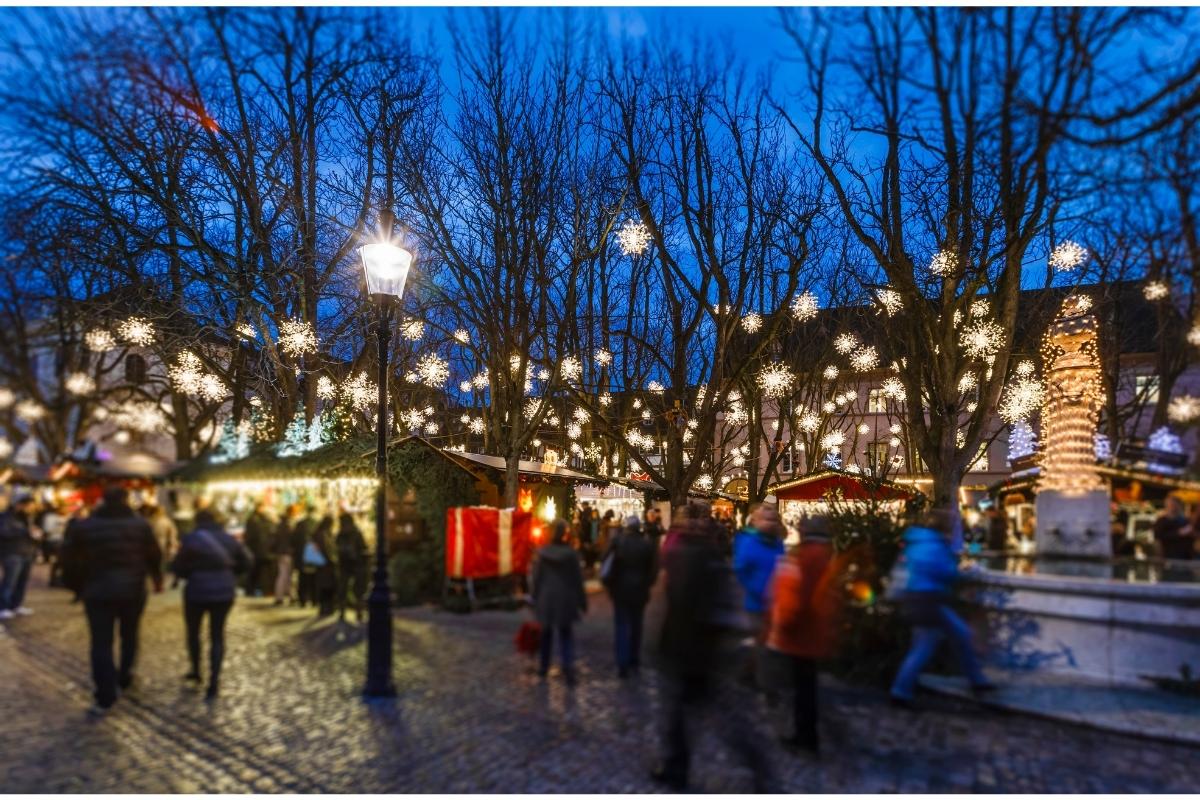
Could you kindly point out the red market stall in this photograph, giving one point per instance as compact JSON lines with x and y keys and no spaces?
{"x":814,"y":494}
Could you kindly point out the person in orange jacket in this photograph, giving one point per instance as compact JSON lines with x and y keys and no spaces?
{"x":804,"y":605}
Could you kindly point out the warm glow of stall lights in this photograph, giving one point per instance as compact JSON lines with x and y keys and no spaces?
{"x":284,"y":484}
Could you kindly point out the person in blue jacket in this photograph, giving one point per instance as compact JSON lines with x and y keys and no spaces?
{"x":756,"y":550}
{"x":932,"y":573}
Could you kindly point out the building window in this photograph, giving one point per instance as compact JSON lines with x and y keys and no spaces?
{"x":135,"y":368}
{"x":785,"y":461}
{"x":876,"y":401}
{"x":1147,"y":389}
{"x":879,"y":455}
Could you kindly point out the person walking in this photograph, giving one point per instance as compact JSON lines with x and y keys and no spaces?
{"x":209,"y":560}
{"x":302,"y":534}
{"x":652,"y":527}
{"x":107,"y":559}
{"x":559,"y":599}
{"x":257,"y":538}
{"x":54,"y":528}
{"x":802,"y":622}
{"x":281,"y":548}
{"x":351,"y":566}
{"x":756,"y":550}
{"x":319,"y":555}
{"x":932,"y":573}
{"x":18,"y":549}
{"x":632,"y":569}
{"x":165,"y":531}
{"x":693,"y":652}
{"x":1172,"y":532}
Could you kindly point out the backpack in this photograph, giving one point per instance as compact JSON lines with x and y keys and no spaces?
{"x":313,"y":556}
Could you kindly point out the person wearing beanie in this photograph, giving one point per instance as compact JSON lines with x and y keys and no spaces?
{"x":628,"y":571}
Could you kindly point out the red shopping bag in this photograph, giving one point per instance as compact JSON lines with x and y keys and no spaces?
{"x":528,"y":638}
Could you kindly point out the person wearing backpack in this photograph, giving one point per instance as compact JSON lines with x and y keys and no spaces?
{"x":802,"y":622}
{"x":209,"y":560}
{"x":628,"y":571}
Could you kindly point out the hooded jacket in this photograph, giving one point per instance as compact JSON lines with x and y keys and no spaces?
{"x":690,"y":635}
{"x":558,"y":594}
{"x":208,"y":559}
{"x":754,"y":558}
{"x":932,"y":566}
{"x":109,"y":555}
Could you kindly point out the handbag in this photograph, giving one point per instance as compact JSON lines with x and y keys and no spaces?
{"x":529,"y":638}
{"x":313,"y":556}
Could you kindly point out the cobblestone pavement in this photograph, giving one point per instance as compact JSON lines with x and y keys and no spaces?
{"x":472,"y":717}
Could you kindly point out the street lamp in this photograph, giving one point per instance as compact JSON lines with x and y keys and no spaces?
{"x":386,"y":268}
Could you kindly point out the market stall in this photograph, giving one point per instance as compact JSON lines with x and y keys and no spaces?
{"x":819,"y":492}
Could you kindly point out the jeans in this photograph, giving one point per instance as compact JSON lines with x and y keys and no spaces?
{"x":102,"y":614}
{"x":566,"y":644}
{"x":692,"y":692}
{"x":193,"y":615}
{"x":627,"y":628}
{"x":925,"y":641}
{"x":16,"y":578}
{"x":283,"y":577}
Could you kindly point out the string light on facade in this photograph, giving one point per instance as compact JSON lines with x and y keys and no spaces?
{"x":981,"y":339}
{"x":1068,"y":256}
{"x":1156,"y":290}
{"x":865,"y":359}
{"x":776,"y":380}
{"x":413,"y":329}
{"x":944,"y":263}
{"x":79,"y":383}
{"x":1072,"y":401}
{"x":845,"y":343}
{"x":633,"y":237}
{"x":99,"y":341}
{"x":296,"y":337}
{"x":752,"y":322}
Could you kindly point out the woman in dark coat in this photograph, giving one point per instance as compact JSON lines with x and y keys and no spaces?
{"x":325,"y":581}
{"x":633,"y":570}
{"x":209,"y":560}
{"x":558,"y":598}
{"x":351,"y":567}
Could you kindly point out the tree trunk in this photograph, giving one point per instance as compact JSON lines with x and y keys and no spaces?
{"x":512,"y":480}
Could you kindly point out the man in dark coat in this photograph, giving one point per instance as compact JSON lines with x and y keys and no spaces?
{"x":692,"y":636}
{"x":302,"y":534}
{"x":257,"y":538}
{"x":558,"y":598}
{"x":106,"y":560}
{"x":17,"y":551}
{"x":633,"y":570}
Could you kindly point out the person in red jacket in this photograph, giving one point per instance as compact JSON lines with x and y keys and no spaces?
{"x":804,"y":605}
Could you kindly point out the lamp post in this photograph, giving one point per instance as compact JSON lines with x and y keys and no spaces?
{"x":386,"y":268}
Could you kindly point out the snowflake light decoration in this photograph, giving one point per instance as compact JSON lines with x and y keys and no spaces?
{"x":865,"y":359}
{"x":1193,"y":335}
{"x":433,"y":370}
{"x":1156,"y":290}
{"x":581,"y":416}
{"x":864,"y":428}
{"x":893,"y":388}
{"x":704,"y":483}
{"x":980,"y":308}
{"x":574,"y":431}
{"x":413,"y":329}
{"x":776,"y":379}
{"x":7,"y":398}
{"x":845,"y":343}
{"x":603,"y":357}
{"x":325,"y":388}
{"x":1068,"y":256}
{"x":830,"y":373}
{"x":809,"y":422}
{"x":144,"y":417}
{"x":571,"y":368}
{"x":606,"y":399}
{"x":1021,"y":400}
{"x":136,"y":331}
{"x":894,"y":441}
{"x":246,"y":331}
{"x":829,"y":407}
{"x":464,"y":386}
{"x":737,"y":415}
{"x":981,"y":339}
{"x":462,"y":336}
{"x":805,"y":306}
{"x":360,"y":391}
{"x":99,"y":341}
{"x":654,"y":387}
{"x":944,"y":263}
{"x":6,"y":448}
{"x":895,"y":427}
{"x":186,"y":372}
{"x":296,"y":337}
{"x":1184,"y":408}
{"x":967,"y":382}
{"x":833,"y":440}
{"x":752,"y":322}
{"x":79,"y":383}
{"x":889,"y":300}
{"x":480,"y":381}
{"x":412,"y":418}
{"x":634,"y":237}
{"x":1025,"y":369}
{"x":476,"y":426}
{"x":212,"y":388}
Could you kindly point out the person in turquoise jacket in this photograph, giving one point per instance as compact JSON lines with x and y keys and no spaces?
{"x":932,"y":573}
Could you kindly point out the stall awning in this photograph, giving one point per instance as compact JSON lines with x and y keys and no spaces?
{"x":529,"y":469}
{"x":821,"y":485}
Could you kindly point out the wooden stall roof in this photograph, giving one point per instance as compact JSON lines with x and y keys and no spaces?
{"x":527,"y":469}
{"x":849,"y":487}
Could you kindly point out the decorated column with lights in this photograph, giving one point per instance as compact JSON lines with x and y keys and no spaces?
{"x":1073,"y":513}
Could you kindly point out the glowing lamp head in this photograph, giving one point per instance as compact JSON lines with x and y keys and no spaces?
{"x":386,"y":268}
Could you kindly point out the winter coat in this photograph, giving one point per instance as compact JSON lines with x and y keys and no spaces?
{"x":165,"y":533}
{"x":302,"y":532}
{"x":805,"y":601}
{"x":16,"y":539}
{"x":258,"y":535}
{"x":209,"y":559}
{"x":558,"y":594}
{"x":694,"y":566}
{"x":281,"y":544}
{"x":634,"y":568}
{"x":754,"y":558}
{"x":109,"y":555}
{"x":932,"y":565}
{"x":351,"y":548}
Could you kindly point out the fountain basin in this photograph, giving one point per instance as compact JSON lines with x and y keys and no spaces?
{"x":1121,"y":630}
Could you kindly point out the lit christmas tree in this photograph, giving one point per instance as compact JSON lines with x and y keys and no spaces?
{"x":1022,"y":441}
{"x":295,"y":439}
{"x":338,"y":422}
{"x":233,"y":444}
